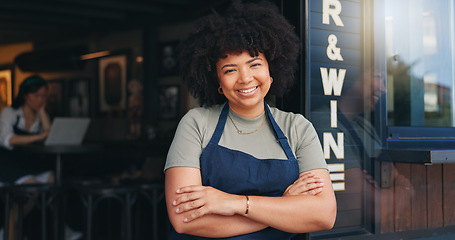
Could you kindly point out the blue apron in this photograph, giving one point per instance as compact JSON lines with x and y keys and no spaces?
{"x":239,"y":173}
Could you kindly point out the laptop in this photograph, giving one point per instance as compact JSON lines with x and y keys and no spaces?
{"x":67,"y":131}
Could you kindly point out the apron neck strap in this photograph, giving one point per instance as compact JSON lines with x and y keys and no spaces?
{"x":278,"y":133}
{"x":220,"y":126}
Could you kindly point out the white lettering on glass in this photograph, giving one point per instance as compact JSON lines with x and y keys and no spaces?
{"x":331,"y":8}
{"x":333,"y":113}
{"x":330,"y":80}
{"x":336,"y":167}
{"x":338,"y":186}
{"x":330,"y":143}
{"x":337,"y":175}
{"x":333,"y":82}
{"x":333,"y":52}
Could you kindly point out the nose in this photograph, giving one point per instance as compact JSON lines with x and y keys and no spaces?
{"x":245,"y":76}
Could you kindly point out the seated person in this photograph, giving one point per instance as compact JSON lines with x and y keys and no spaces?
{"x":25,"y":122}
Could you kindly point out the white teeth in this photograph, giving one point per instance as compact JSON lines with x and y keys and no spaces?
{"x":248,"y":90}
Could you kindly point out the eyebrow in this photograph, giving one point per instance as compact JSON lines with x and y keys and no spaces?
{"x":249,"y":61}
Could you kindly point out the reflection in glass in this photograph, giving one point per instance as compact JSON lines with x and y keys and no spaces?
{"x":420,"y":49}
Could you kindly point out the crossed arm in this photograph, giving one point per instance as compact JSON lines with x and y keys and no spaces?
{"x":307,"y":205}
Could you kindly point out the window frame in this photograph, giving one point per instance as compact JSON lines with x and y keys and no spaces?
{"x":401,"y":137}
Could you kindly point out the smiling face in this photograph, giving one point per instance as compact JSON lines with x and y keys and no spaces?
{"x":245,"y":81}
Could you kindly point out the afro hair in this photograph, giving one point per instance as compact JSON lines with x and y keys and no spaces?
{"x":252,"y":27}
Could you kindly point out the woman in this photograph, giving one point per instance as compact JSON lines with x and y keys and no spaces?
{"x":238,"y":168}
{"x":24,"y":122}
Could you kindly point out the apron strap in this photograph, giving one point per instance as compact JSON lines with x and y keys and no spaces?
{"x":279,"y":134}
{"x":220,"y":126}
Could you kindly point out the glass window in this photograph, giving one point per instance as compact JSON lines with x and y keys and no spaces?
{"x":420,"y":51}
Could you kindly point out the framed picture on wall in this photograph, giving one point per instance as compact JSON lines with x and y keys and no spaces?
{"x":6,"y":86}
{"x":167,"y":59}
{"x":169,"y":99}
{"x":55,"y":97}
{"x":79,"y":97}
{"x":112,"y":75}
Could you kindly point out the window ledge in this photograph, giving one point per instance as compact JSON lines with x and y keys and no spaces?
{"x":422,"y":156}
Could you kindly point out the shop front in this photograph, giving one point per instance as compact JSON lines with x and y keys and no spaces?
{"x":377,"y":79}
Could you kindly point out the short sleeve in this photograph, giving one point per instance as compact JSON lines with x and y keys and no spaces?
{"x":309,"y":151}
{"x":187,"y":145}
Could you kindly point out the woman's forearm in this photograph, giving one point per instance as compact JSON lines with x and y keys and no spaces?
{"x":298,"y":214}
{"x":217,"y":226}
{"x":210,"y":225}
{"x":26,"y":139}
{"x":295,"y":213}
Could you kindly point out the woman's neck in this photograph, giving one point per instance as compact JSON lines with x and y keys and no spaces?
{"x":252,"y":112}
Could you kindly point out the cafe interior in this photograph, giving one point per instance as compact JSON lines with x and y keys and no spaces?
{"x":112,"y":62}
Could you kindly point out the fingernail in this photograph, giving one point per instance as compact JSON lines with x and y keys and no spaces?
{"x":185,"y":220}
{"x":178,"y":190}
{"x":174,"y":202}
{"x":177,"y":210}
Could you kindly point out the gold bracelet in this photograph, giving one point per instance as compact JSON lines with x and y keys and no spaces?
{"x":247,"y":204}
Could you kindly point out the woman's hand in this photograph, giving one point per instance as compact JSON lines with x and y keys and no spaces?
{"x":197,"y":201}
{"x":45,"y":121}
{"x":42,"y":135}
{"x":307,"y":183}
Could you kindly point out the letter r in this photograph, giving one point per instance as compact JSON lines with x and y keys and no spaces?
{"x":327,"y":11}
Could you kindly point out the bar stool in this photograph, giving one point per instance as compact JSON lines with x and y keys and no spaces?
{"x":3,"y":212}
{"x":42,"y":196}
{"x":153,"y":195}
{"x":94,"y":194}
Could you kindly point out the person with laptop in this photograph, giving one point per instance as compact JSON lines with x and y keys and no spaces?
{"x":25,"y":122}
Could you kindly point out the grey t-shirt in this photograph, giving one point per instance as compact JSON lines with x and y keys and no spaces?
{"x":197,"y":126}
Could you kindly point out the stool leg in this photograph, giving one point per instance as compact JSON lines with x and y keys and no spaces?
{"x":155,"y":214}
{"x":136,"y":215}
{"x":89,"y":217}
{"x":12,"y":234}
{"x":20,"y":216}
{"x":7,"y":211}
{"x":43,"y":216}
{"x":109,"y":220}
{"x":57,"y":226}
{"x":128,"y":216}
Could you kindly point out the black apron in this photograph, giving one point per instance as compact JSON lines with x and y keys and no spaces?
{"x":15,"y":164}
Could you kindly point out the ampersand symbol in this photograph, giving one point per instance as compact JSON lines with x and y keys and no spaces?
{"x":333,"y":52}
